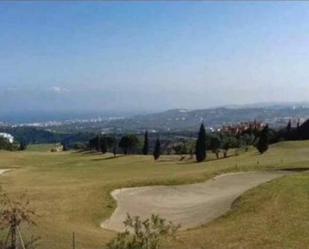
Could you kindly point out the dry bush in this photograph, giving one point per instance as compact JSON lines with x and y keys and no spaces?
{"x":143,"y":234}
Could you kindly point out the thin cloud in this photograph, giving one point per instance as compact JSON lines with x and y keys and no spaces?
{"x":58,"y":90}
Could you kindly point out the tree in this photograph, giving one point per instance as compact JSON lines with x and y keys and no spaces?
{"x":191,"y":149}
{"x":215,"y":144}
{"x":110,"y":141}
{"x":115,"y":150}
{"x":246,"y":140}
{"x":262,"y":144}
{"x":229,"y":142}
{"x":98,"y":143}
{"x":180,"y":148}
{"x":95,"y":143}
{"x":288,"y":133}
{"x":127,"y":143}
{"x":22,"y":145}
{"x":103,"y":145}
{"x":298,"y":132}
{"x":92,"y":143}
{"x":64,"y":145}
{"x":157,"y":149}
{"x":114,"y":147}
{"x":200,"y":151}
{"x":5,"y":144}
{"x":146,"y":146}
{"x":288,"y":127}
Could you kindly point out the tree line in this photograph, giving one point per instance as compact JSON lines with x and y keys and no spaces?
{"x":221,"y":141}
{"x":216,"y":142}
{"x":127,"y":144}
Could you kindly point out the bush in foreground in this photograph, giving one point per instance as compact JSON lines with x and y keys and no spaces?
{"x":143,"y":234}
{"x":13,"y":214}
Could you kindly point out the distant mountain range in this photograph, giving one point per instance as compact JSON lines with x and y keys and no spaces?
{"x":276,"y":115}
{"x":183,"y":119}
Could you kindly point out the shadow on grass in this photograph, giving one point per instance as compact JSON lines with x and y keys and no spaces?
{"x":107,"y":158}
{"x":192,"y":160}
{"x":300,"y":169}
{"x":167,"y":160}
{"x":88,"y":152}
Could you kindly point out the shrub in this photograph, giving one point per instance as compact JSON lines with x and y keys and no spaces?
{"x":143,"y":234}
{"x":13,"y":214}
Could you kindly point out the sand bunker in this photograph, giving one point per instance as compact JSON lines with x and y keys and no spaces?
{"x":190,"y":205}
{"x":2,"y":171}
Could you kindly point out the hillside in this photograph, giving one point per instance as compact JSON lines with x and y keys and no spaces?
{"x":189,"y":120}
{"x":70,"y":191}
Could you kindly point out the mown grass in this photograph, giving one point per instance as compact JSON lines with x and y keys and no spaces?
{"x":41,"y":147}
{"x":272,"y":216}
{"x":70,"y":192}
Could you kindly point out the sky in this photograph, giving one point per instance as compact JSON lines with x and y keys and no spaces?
{"x":151,"y":56}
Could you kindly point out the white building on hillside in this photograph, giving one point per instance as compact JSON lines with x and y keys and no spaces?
{"x":7,"y":136}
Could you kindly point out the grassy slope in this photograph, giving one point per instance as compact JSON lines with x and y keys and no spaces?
{"x":70,"y":192}
{"x":272,"y":216}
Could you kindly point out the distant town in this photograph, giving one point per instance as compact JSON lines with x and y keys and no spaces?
{"x":275,"y":116}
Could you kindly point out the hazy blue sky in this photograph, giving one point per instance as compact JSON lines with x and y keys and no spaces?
{"x":142,"y":56}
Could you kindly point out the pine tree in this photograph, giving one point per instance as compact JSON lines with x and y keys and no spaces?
{"x":157,"y":149}
{"x":262,"y":144}
{"x":200,"y":151}
{"x":146,"y":146}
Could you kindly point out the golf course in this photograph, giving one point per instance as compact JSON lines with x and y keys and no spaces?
{"x":72,"y":192}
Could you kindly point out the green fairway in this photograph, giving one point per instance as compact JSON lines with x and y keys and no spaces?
{"x":41,"y":147}
{"x":70,"y":192}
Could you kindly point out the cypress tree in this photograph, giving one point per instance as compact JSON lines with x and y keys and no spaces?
{"x":288,"y":134}
{"x":22,"y":145}
{"x":298,"y":131}
{"x":103,"y":145}
{"x":262,"y":144}
{"x":146,"y":146}
{"x":64,"y":146}
{"x":115,"y":150}
{"x":200,"y":150}
{"x":98,"y":143}
{"x":157,"y":150}
{"x":288,"y":127}
{"x":115,"y":147}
